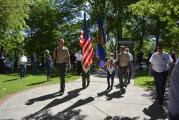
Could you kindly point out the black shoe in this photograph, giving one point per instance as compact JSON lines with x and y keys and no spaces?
{"x":111,"y":88}
{"x":29,"y":102}
{"x":121,"y":88}
{"x":108,"y":88}
{"x":88,"y":84}
{"x":160,"y":102}
{"x":61,"y":92}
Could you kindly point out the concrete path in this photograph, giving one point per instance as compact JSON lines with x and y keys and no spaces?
{"x":92,"y":103}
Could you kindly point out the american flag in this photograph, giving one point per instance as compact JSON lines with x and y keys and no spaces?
{"x":85,"y":43}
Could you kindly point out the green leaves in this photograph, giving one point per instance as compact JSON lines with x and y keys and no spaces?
{"x":12,"y":22}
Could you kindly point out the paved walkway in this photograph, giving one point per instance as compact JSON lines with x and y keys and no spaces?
{"x":92,"y":103}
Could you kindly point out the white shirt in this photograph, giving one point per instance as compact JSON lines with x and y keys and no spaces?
{"x":23,"y":60}
{"x":110,"y":67}
{"x":78,"y":56}
{"x":160,"y":62}
{"x":130,"y":55}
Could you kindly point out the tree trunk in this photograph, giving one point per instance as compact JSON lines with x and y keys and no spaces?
{"x":157,"y":31}
{"x":1,"y":49}
{"x":143,"y":33}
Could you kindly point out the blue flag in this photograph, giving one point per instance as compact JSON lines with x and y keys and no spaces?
{"x":101,"y":41}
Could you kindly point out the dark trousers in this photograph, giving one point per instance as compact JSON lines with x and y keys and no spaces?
{"x":35,"y":68}
{"x":85,"y":77}
{"x":49,"y":71}
{"x":79,"y":67}
{"x":160,"y":82}
{"x":129,"y":74}
{"x":22,"y":70}
{"x":62,"y":70}
{"x":110,"y":84}
{"x":123,"y":74}
{"x":171,"y":117}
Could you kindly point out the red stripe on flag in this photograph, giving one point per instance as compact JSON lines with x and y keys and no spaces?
{"x":87,"y":53}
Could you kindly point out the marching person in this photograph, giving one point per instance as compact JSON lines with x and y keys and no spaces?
{"x":85,"y":77}
{"x":160,"y":61}
{"x":110,"y":64}
{"x":130,"y":65}
{"x":61,"y":58}
{"x":123,"y":60}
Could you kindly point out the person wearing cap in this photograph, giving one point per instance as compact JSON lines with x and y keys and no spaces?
{"x":110,"y":65}
{"x":61,"y":58}
{"x":160,"y":62}
{"x":123,"y":62}
{"x":48,"y":64}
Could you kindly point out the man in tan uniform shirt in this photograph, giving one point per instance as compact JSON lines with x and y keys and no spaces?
{"x":61,"y":58}
{"x":123,"y":60}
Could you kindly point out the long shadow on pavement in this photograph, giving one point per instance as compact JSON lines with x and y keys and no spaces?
{"x":46,"y":115}
{"x":116,"y":94}
{"x":66,"y":114}
{"x":155,"y":112}
{"x":120,"y":118}
{"x":71,"y":94}
{"x":42,"y":98}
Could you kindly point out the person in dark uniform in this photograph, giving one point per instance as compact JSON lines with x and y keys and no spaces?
{"x":48,"y":64}
{"x":85,"y":77}
{"x":61,"y":58}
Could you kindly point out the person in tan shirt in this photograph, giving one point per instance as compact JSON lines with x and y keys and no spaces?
{"x":123,"y":60}
{"x":61,"y":58}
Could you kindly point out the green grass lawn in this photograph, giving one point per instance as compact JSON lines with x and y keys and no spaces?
{"x":11,"y":83}
{"x":142,"y":79}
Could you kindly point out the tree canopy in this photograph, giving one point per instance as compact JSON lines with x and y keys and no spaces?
{"x":36,"y":25}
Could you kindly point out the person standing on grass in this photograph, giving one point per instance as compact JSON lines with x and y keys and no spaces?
{"x":160,"y":62}
{"x":22,"y":65}
{"x":61,"y":58}
{"x":173,"y":94}
{"x":48,"y":64}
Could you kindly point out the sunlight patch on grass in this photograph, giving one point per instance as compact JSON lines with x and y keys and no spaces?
{"x":11,"y":83}
{"x":143,"y":80}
